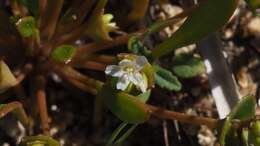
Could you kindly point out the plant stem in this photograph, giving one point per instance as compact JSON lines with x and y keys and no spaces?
{"x":17,"y":9}
{"x":41,"y":98}
{"x":77,"y":13}
{"x":96,"y":47}
{"x":16,"y":108}
{"x":81,"y":81}
{"x":50,"y":18}
{"x":105,"y":59}
{"x":72,"y":36}
{"x":156,"y":111}
{"x":92,"y":65}
{"x":162,"y":24}
{"x":166,"y":114}
{"x":27,"y":68}
{"x":82,"y":86}
{"x":42,"y":8}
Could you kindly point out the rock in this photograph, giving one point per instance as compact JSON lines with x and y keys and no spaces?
{"x":253,"y":26}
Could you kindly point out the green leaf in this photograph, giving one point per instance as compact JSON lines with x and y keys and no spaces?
{"x":7,"y":79}
{"x":32,"y":6}
{"x":38,"y":141}
{"x":116,"y":133}
{"x":118,"y":137}
{"x":187,"y":66}
{"x":137,"y":47}
{"x":144,"y":96}
{"x":256,"y":128}
{"x":254,"y":134}
{"x":165,"y":79}
{"x":207,"y":18}
{"x":253,"y":139}
{"x":26,"y":26}
{"x":99,"y":25}
{"x":244,"y":110}
{"x":126,"y":134}
{"x":63,"y":53}
{"x":245,"y":136}
{"x":126,"y":107}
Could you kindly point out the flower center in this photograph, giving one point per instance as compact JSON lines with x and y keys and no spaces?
{"x":129,"y":68}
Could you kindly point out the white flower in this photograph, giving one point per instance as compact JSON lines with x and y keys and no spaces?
{"x":129,"y":71}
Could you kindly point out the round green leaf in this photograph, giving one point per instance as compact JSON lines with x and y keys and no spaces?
{"x":126,"y":107}
{"x":254,"y":135}
{"x":38,"y":141}
{"x":26,"y":26}
{"x":7,"y":79}
{"x":187,"y":66}
{"x":244,"y":110}
{"x":165,"y":79}
{"x":63,"y":53}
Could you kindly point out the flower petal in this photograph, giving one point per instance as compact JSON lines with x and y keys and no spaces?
{"x":139,"y":81}
{"x":114,"y":70}
{"x":140,"y":62}
{"x":122,"y":83}
{"x":126,"y":62}
{"x":144,"y":85}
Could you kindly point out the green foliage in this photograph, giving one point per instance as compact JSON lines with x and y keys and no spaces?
{"x":165,"y":79}
{"x":256,"y":128}
{"x":38,"y":141}
{"x":137,"y":47}
{"x":243,"y":111}
{"x":187,"y":66}
{"x":27,"y":26}
{"x":99,"y":24}
{"x":144,"y":96}
{"x":127,"y":108}
{"x":215,"y":14}
{"x":117,"y":136}
{"x":254,"y":134}
{"x":63,"y":53}
{"x":7,"y":79}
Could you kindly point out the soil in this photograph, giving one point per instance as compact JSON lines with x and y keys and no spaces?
{"x":72,"y":111}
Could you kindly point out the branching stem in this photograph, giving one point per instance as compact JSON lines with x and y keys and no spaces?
{"x":41,"y":98}
{"x":166,"y":114}
{"x":16,"y":108}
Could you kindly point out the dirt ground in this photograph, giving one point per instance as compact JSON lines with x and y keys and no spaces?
{"x":72,"y":111}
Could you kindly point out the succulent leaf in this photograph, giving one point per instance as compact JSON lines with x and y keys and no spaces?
{"x":7,"y":79}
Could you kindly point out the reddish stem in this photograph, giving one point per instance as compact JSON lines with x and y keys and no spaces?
{"x":166,"y":114}
{"x":17,"y":108}
{"x":92,"y":65}
{"x":41,"y":98}
{"x":96,"y":47}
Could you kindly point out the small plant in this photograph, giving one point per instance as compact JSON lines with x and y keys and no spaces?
{"x":53,"y":36}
